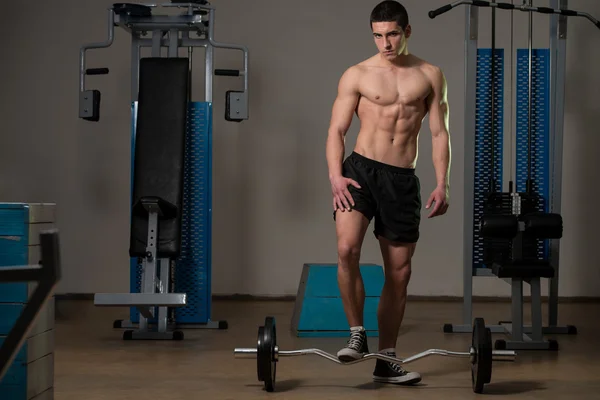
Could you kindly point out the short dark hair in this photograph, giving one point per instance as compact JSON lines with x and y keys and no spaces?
{"x":389,"y":11}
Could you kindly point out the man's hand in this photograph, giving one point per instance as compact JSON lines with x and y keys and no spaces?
{"x":342,"y":200}
{"x":439,"y":197}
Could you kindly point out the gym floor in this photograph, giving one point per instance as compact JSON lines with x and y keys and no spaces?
{"x":93,"y":363}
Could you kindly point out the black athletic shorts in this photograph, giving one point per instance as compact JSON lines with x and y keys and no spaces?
{"x":390,"y":194}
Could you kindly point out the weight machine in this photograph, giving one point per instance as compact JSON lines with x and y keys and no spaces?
{"x":514,"y":235}
{"x":171,"y":142}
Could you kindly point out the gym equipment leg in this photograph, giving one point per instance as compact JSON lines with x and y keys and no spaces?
{"x":480,"y":354}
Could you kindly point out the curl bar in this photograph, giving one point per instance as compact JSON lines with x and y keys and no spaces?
{"x":509,"y":6}
{"x":480,"y":354}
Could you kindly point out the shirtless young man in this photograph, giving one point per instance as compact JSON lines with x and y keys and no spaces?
{"x":391,"y":93}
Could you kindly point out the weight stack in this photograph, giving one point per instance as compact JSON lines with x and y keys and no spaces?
{"x":31,"y":375}
{"x":500,"y":250}
{"x":319,"y":312}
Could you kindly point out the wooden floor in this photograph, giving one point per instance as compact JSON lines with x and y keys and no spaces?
{"x":93,"y":363}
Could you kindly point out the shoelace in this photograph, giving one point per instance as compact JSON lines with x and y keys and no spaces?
{"x":355,"y":341}
{"x":396,"y":367}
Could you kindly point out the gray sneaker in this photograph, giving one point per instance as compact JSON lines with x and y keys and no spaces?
{"x":356,"y":347}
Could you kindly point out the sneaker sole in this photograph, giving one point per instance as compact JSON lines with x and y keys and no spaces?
{"x":397,"y":381}
{"x":350,"y":357}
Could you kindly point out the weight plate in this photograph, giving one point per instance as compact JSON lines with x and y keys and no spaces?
{"x":269,"y":367}
{"x":488,"y":345}
{"x":481,"y":368}
{"x":259,"y":346}
{"x":264,"y":358}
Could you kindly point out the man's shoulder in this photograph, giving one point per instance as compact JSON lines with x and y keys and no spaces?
{"x":356,"y":72}
{"x":432,"y":70}
{"x":361,"y":66}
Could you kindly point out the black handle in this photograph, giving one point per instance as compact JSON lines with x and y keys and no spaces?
{"x":506,"y":6}
{"x":441,"y":10}
{"x":96,"y":71}
{"x":545,"y":10}
{"x":227,"y":72}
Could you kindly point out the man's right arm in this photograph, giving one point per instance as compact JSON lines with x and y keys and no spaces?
{"x":341,"y":118}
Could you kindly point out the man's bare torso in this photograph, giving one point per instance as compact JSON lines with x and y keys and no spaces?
{"x":392,"y":105}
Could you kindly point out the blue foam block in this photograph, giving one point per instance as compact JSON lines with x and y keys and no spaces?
{"x":14,"y":241}
{"x":319,"y":311}
{"x":15,"y":220}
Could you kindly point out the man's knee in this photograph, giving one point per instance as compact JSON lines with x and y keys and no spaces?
{"x":348,"y":252}
{"x":401,"y":271}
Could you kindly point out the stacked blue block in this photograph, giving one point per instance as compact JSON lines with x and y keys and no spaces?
{"x":31,"y":374}
{"x":319,"y":311}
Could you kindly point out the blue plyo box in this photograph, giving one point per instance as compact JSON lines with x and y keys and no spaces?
{"x":319,"y":311}
{"x":31,"y":374}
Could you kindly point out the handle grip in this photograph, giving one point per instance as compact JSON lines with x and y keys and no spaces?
{"x":439,"y":11}
{"x":227,"y":72}
{"x":96,"y":71}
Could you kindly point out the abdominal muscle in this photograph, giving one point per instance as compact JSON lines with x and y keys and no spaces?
{"x":389,"y":133}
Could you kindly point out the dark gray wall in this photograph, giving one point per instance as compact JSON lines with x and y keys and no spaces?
{"x":272,"y":204}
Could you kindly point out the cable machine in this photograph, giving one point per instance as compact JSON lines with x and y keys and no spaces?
{"x":514,"y":235}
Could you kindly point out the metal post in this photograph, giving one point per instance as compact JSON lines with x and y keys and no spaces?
{"x":517,"y":309}
{"x":135,"y":65}
{"x":558,"y":49}
{"x":471,"y":32}
{"x":208,"y":90}
{"x":209,"y":55}
{"x":165,"y":282}
{"x":536,"y":310}
{"x":149,"y":271}
{"x":157,"y":35}
{"x":173,"y":43}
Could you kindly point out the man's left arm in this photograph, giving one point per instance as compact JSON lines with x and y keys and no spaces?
{"x":440,"y":136}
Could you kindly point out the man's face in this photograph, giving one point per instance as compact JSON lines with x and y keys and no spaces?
{"x":390,"y":38}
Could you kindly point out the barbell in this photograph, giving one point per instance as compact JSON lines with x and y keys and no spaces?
{"x":480,"y":354}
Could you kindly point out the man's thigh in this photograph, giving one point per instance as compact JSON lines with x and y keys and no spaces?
{"x":350,"y":227}
{"x":396,"y":255}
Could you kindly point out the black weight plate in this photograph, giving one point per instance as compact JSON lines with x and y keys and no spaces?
{"x":259,"y":346}
{"x":269,"y":367}
{"x":488,"y":345}
{"x":481,"y":368}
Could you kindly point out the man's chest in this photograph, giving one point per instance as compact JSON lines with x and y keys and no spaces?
{"x":389,"y":88}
